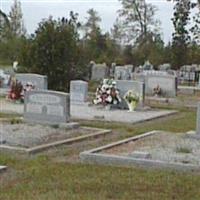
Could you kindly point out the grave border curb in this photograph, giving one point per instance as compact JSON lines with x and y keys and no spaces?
{"x":94,"y":156}
{"x":32,"y":150}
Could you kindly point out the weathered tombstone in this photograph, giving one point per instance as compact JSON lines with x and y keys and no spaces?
{"x":99,"y":71}
{"x":39,"y":81}
{"x":165,"y":67}
{"x":123,"y":72}
{"x":78,"y":91}
{"x":112,"y":69}
{"x":46,"y":107}
{"x":147,"y":66}
{"x":196,"y":134}
{"x":125,"y":85}
{"x":167,"y":83}
{"x":198,"y":121}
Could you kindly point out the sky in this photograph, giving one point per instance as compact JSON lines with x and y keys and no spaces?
{"x":36,"y":10}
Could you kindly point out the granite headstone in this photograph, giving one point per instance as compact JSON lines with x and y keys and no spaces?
{"x":125,"y":85}
{"x":39,"y":81}
{"x":167,"y":83}
{"x":78,"y":91}
{"x":46,"y":107}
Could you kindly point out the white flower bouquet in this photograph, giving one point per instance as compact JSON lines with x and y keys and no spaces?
{"x":132,"y":98}
{"x":107,"y":93}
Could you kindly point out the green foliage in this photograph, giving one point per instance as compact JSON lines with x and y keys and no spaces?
{"x":55,"y":51}
{"x":181,"y":36}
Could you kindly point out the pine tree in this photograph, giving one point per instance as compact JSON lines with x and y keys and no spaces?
{"x":181,"y":36}
{"x":17,"y":28}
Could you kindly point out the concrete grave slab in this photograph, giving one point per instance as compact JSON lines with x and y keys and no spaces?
{"x":159,"y":156}
{"x":25,"y":138}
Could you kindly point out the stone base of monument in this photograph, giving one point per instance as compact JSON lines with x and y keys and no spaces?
{"x":80,"y":103}
{"x":155,"y":149}
{"x":66,"y":126}
{"x":160,"y":100}
{"x":143,"y":108}
{"x":193,"y":134}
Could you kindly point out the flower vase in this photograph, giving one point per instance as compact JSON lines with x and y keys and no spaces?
{"x":132,"y":106}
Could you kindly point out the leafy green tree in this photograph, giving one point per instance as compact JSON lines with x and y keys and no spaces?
{"x":54,"y":51}
{"x":17,"y":28}
{"x":92,"y":26}
{"x":4,"y":24}
{"x":181,"y":37}
{"x":195,"y":30}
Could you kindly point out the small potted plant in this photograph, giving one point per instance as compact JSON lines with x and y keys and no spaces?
{"x":131,"y":99}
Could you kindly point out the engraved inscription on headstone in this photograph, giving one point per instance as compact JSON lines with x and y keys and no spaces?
{"x":47,"y":107}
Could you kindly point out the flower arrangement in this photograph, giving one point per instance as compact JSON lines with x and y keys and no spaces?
{"x":107,"y":93}
{"x":157,"y":91}
{"x":131,"y":99}
{"x":17,"y":90}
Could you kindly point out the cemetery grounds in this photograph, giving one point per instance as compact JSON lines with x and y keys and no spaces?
{"x":57,"y":173}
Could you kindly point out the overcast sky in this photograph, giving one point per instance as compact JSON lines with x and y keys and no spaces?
{"x":36,"y":10}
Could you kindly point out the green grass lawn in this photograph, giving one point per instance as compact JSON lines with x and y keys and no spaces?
{"x":58,"y":173}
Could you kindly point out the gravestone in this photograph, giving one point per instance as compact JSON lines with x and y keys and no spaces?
{"x":39,"y":81}
{"x":198,"y":121}
{"x":123,"y":72}
{"x":99,"y":71}
{"x":46,"y":107}
{"x":78,"y":91}
{"x":167,"y":83}
{"x":196,"y":134}
{"x":147,"y":66}
{"x":165,"y":67}
{"x":125,"y":85}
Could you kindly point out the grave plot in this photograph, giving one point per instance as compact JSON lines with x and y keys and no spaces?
{"x":35,"y":138}
{"x":156,"y":149}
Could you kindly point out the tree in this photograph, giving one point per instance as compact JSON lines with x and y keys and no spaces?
{"x":17,"y":28}
{"x":54,"y":51}
{"x":195,"y":30}
{"x":181,"y":37}
{"x":92,"y":25}
{"x":138,"y":20}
